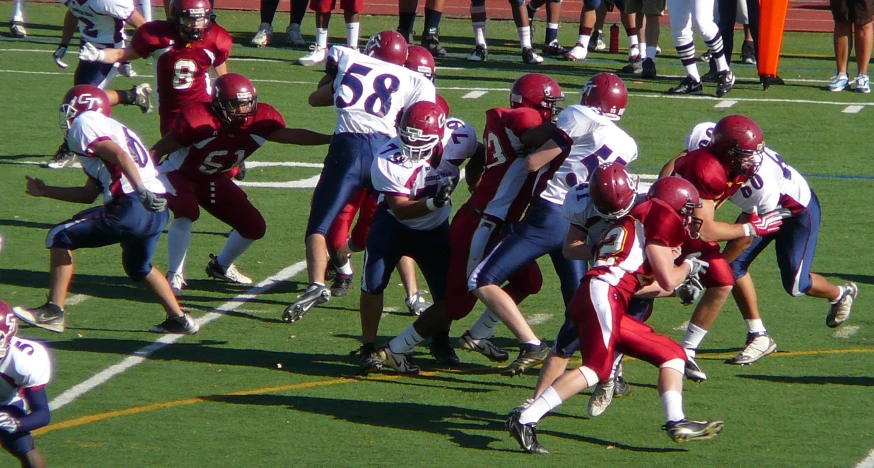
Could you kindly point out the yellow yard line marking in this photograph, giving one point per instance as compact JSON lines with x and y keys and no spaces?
{"x":324,"y":383}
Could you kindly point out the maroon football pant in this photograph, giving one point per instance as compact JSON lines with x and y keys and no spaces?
{"x":220,"y":197}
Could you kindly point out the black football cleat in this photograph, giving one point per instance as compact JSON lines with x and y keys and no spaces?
{"x":367,"y":359}
{"x":724,"y":83}
{"x":687,"y":86}
{"x":685,"y":430}
{"x":442,"y":351}
{"x":525,"y":434}
{"x":340,"y":286}
{"x":431,"y":41}
{"x":529,"y":355}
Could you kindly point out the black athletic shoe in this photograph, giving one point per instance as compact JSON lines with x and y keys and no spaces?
{"x":341,"y":285}
{"x":431,"y":41}
{"x":525,"y":434}
{"x":529,"y":355}
{"x":649,"y":68}
{"x":724,"y":83}
{"x":687,"y":86}
{"x":442,"y":351}
{"x":685,"y":430}
{"x":367,"y":359}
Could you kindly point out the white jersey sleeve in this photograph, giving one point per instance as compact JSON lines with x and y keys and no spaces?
{"x":369,"y":93}
{"x":26,"y":365}
{"x":580,"y":211}
{"x":101,"y":22}
{"x":589,"y":140}
{"x":775,"y":185}
{"x":459,"y":141}
{"x":90,"y":128}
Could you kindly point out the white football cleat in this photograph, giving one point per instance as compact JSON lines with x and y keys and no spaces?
{"x":317,"y":56}
{"x":229,"y":273}
{"x":578,"y":53}
{"x":262,"y":37}
{"x":177,"y":282}
{"x":127,"y":70}
{"x":17,"y":29}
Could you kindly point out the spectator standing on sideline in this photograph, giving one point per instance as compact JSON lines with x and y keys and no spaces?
{"x":323,"y":8}
{"x":268,"y":11}
{"x":17,"y":24}
{"x":431,"y":33}
{"x":852,"y":17}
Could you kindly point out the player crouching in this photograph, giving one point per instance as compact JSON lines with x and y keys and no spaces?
{"x":133,"y":214}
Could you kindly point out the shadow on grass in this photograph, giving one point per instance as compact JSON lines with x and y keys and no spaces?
{"x":812,"y":379}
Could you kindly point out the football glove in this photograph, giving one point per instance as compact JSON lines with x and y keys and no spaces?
{"x":768,"y":223}
{"x":697,"y":266}
{"x":89,"y":53}
{"x":690,"y":291}
{"x":152,"y":202}
{"x":444,"y":192}
{"x":8,"y":423}
{"x":59,"y":55}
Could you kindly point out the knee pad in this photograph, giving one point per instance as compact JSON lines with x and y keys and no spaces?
{"x":677,"y":364}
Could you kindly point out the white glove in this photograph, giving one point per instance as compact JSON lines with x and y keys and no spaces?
{"x":59,"y":55}
{"x":690,"y":291}
{"x":89,"y":53}
{"x":8,"y":423}
{"x":696,"y":266}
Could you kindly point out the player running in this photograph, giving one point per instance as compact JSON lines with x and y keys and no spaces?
{"x":133,"y":213}
{"x":207,"y":141}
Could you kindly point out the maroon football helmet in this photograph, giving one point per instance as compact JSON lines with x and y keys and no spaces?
{"x":737,"y":142}
{"x":8,"y":327}
{"x":421,"y":61}
{"x":539,"y":92}
{"x":607,"y":92}
{"x":388,"y":46}
{"x":613,"y":190}
{"x":192,"y":18}
{"x":79,"y":99}
{"x":420,"y":131}
{"x":444,"y":106}
{"x":683,"y":197}
{"x":234,"y":99}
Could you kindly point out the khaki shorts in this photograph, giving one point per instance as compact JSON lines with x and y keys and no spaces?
{"x":852,"y":11}
{"x":647,"y":7}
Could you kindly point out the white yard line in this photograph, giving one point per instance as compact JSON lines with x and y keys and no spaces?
{"x":76,"y":299}
{"x":852,"y":109}
{"x":72,"y":394}
{"x":474,"y":95}
{"x":296,"y":184}
{"x":251,"y":164}
{"x":726,"y":104}
{"x":868,"y":462}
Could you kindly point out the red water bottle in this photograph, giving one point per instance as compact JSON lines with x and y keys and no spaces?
{"x":614,"y":39}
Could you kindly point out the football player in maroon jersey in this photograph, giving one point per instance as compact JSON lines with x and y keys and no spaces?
{"x":207,"y":140}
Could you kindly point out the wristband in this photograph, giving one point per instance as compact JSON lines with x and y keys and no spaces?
{"x":749,"y":231}
{"x":430,"y":204}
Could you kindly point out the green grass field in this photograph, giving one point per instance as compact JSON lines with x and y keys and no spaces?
{"x":249,"y":390}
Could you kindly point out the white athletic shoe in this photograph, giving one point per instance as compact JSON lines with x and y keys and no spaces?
{"x":601,"y":398}
{"x":578,"y":53}
{"x":262,"y":37}
{"x":317,"y":56}
{"x":127,"y":70}
{"x":177,"y":282}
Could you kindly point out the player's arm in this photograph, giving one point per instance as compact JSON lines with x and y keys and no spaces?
{"x":535,"y":137}
{"x":136,"y":19}
{"x":70,"y":23}
{"x":734,"y":248}
{"x":404,"y":208}
{"x":89,"y":53}
{"x":85,"y":194}
{"x":668,"y":168}
{"x":39,"y":415}
{"x":221,"y":69}
{"x":299,"y":136}
{"x":652,"y":291}
{"x":575,"y":246}
{"x":166,"y":145}
{"x":110,"y":152}
{"x":323,"y":96}
{"x":475,"y":167}
{"x":543,"y":156}
{"x":713,"y":230}
{"x":661,"y":259}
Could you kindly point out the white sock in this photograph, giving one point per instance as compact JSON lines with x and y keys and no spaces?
{"x":583,"y":40}
{"x":756,"y":325}
{"x":524,"y":36}
{"x":632,"y":41}
{"x":352,"y":34}
{"x":672,"y":402}
{"x":406,"y":341}
{"x":18,"y":10}
{"x":542,"y":405}
{"x":234,"y":248}
{"x":146,"y":9}
{"x":178,"y":240}
{"x":642,"y":49}
{"x":694,"y":335}
{"x":322,"y":37}
{"x":484,"y":326}
{"x":721,"y":64}
{"x":651,"y":52}
{"x":479,"y":33}
{"x":346,"y":269}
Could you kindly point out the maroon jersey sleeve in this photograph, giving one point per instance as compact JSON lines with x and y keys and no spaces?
{"x":149,"y":38}
{"x":195,"y":123}
{"x":222,"y":47}
{"x":521,"y":120}
{"x":662,"y":224}
{"x":267,"y":121}
{"x":705,"y":172}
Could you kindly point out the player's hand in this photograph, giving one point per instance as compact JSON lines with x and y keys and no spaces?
{"x":152,"y":202}
{"x":690,"y":291}
{"x":89,"y":53}
{"x":35,"y":187}
{"x":59,"y":55}
{"x":444,"y":192}
{"x":8,"y":423}
{"x":768,"y":223}
{"x":697,"y":266}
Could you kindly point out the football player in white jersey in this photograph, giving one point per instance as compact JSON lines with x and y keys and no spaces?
{"x":368,"y":91}
{"x":133,"y":212}
{"x":586,"y":137}
{"x":24,"y":407}
{"x":101,"y":24}
{"x":777,"y":185}
{"x":415,"y":175}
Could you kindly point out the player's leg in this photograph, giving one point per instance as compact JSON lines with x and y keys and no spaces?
{"x":551,"y":46}
{"x":319,"y":53}
{"x":100,"y":74}
{"x":265,"y":30}
{"x":231,"y":205}
{"x":728,"y":12}
{"x":478,"y":21}
{"x":17,"y":25}
{"x":21,"y":445}
{"x":431,"y":32}
{"x":597,"y":43}
{"x":415,"y":302}
{"x":340,"y":268}
{"x":523,"y":29}
{"x":629,"y":19}
{"x":33,"y":459}
{"x":407,"y":18}
{"x":183,"y":200}
{"x":864,"y":41}
{"x":702,"y":16}
{"x":351,"y":13}
{"x":587,"y":23}
{"x":653,"y":10}
{"x":296,"y":13}
{"x":681,"y":30}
